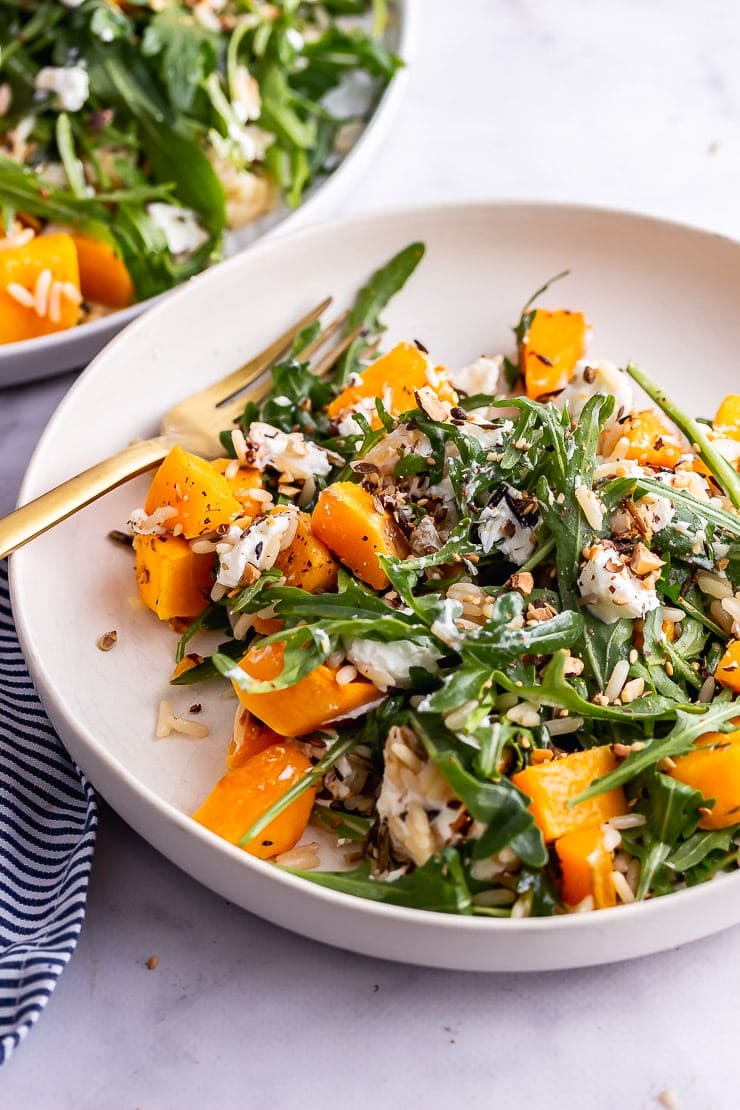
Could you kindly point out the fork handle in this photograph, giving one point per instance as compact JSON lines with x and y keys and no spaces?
{"x":50,"y":508}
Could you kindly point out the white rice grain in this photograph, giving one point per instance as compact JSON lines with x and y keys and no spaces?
{"x":41,"y":292}
{"x":622,"y":888}
{"x":20,"y":295}
{"x":617,"y":680}
{"x":563,"y":725}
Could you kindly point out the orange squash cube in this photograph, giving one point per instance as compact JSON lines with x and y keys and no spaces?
{"x":103,"y":274}
{"x":308,"y":562}
{"x":249,"y":738}
{"x":173,"y":581}
{"x":586,"y":868}
{"x":202,"y":497}
{"x":394,"y":378}
{"x":22,"y":267}
{"x":728,"y":669}
{"x":314,"y":701}
{"x":243,"y":795}
{"x":648,"y":438}
{"x":713,"y":768}
{"x":246,"y":479}
{"x":347,"y":521}
{"x":726,"y":423}
{"x":551,"y":786}
{"x":550,"y":350}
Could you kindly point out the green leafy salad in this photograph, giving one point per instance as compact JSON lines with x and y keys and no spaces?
{"x":153,"y":126}
{"x":483,"y":624}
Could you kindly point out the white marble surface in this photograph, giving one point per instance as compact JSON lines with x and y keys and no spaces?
{"x":626,"y":103}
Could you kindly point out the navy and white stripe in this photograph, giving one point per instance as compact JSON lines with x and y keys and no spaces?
{"x":48,"y":819}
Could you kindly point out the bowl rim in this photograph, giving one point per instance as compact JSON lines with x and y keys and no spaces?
{"x":173,"y":817}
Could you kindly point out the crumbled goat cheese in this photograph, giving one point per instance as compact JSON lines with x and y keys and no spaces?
{"x":70,"y":84}
{"x":389,"y":664}
{"x":401,"y":441}
{"x":486,"y":436}
{"x":610,"y":589}
{"x":728,"y":448}
{"x":151,"y":524}
{"x":258,"y":546}
{"x":590,"y":378}
{"x":656,"y":512}
{"x":348,"y":426}
{"x":480,"y":377}
{"x":500,"y":527}
{"x":288,"y":452}
{"x":179,"y":226}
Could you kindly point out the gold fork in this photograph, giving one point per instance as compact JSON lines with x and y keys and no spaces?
{"x":194,"y":423}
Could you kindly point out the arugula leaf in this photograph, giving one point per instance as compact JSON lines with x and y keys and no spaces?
{"x":370,"y":302}
{"x":438,"y":885}
{"x":185,"y":50}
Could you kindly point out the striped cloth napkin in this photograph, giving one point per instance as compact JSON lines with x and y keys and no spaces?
{"x":48,"y":818}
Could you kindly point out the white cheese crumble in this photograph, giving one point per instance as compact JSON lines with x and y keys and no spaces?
{"x":288,"y":452}
{"x":348,"y":426}
{"x":389,"y":664}
{"x":610,"y":589}
{"x":70,"y":84}
{"x":590,"y":378}
{"x":500,"y":527}
{"x":258,"y":546}
{"x":481,"y":376}
{"x":179,"y":226}
{"x":656,"y":512}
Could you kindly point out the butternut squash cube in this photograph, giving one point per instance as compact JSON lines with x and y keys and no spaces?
{"x":586,"y":868}
{"x":648,"y":438}
{"x":550,"y":350}
{"x":308,"y":562}
{"x":394,"y":378}
{"x":350,"y":525}
{"x":244,"y":794}
{"x":246,"y":479}
{"x":713,"y":769}
{"x":726,"y":423}
{"x":173,"y":581}
{"x":202,"y":497}
{"x":21,"y":268}
{"x":249,"y":738}
{"x":728,"y":669}
{"x":305,"y":707}
{"x":551,"y":786}
{"x":103,"y":274}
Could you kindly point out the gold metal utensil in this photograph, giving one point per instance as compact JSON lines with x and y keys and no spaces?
{"x":194,"y":423}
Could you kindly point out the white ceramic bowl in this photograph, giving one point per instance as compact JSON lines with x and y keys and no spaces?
{"x":68,"y":350}
{"x":657,"y":292}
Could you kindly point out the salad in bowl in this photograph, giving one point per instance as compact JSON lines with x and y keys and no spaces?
{"x":135,"y":136}
{"x":481,"y":624}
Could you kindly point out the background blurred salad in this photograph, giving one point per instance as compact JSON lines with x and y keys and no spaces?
{"x":149,"y":128}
